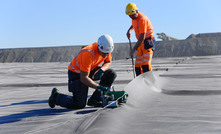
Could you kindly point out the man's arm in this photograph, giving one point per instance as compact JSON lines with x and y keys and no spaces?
{"x":106,"y":66}
{"x":129,"y":32}
{"x":85,"y":79}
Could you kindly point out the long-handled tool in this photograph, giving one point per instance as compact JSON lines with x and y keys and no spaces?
{"x":132,"y":59}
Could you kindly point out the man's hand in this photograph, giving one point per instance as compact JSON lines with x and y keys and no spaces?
{"x":128,"y":34}
{"x":98,"y":74}
{"x":103,"y":88}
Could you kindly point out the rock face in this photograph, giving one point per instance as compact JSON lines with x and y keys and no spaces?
{"x":49,"y":54}
{"x":194,"y":45}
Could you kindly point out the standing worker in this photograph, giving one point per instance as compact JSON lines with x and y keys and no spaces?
{"x":145,"y":35}
{"x":83,"y":71}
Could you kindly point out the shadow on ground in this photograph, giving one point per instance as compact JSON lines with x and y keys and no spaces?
{"x":26,"y":103}
{"x":36,"y":112}
{"x":31,"y":113}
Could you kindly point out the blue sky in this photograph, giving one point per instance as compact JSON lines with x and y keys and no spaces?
{"x":45,"y":23}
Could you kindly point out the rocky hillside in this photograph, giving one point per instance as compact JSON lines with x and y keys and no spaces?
{"x":194,"y":45}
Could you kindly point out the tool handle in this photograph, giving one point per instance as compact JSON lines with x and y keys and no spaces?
{"x":132,"y":59}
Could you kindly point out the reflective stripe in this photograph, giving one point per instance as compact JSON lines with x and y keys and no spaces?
{"x":139,"y":57}
{"x":147,"y":55}
{"x":138,"y":62}
{"x":76,"y":62}
{"x":145,"y":60}
{"x":88,"y":50}
{"x":72,"y":67}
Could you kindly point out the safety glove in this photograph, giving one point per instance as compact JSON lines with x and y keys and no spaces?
{"x":98,"y":74}
{"x":103,"y":89}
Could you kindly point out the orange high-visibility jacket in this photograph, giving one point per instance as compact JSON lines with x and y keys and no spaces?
{"x":87,"y":59}
{"x":142,"y":24}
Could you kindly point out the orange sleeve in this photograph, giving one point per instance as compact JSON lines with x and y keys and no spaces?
{"x":143,"y":25}
{"x":86,"y":61}
{"x":109,"y":57}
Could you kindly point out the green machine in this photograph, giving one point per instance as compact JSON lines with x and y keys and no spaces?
{"x":112,"y":98}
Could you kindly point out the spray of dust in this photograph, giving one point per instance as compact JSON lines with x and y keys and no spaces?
{"x":143,"y":91}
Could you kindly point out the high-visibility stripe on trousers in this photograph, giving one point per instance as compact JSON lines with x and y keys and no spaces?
{"x":144,"y":57}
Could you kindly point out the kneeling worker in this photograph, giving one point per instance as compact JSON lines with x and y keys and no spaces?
{"x":83,"y":71}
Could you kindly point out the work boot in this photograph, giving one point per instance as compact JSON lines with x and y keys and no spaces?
{"x":52,"y":98}
{"x":94,"y":103}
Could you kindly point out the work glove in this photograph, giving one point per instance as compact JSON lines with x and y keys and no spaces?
{"x":98,"y":74}
{"x":103,"y":89}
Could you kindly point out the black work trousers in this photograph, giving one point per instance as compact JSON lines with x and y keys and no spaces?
{"x":80,"y":91}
